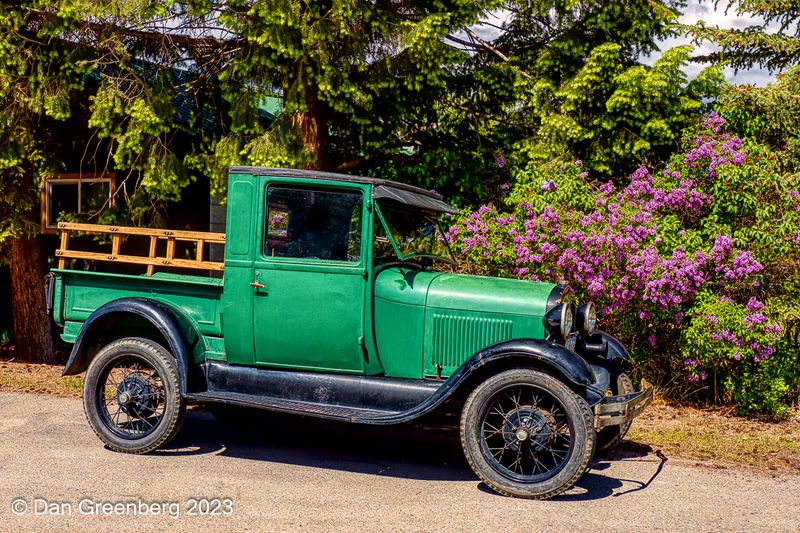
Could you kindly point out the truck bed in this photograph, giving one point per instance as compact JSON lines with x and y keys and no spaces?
{"x":78,"y":293}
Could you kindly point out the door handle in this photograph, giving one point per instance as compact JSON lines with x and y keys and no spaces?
{"x":257,"y":285}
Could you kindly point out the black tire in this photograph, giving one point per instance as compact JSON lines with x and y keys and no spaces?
{"x":545,"y":426}
{"x":131,"y":396}
{"x":609,"y":437}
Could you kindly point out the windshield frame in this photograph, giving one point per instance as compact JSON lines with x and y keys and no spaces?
{"x":396,"y":247}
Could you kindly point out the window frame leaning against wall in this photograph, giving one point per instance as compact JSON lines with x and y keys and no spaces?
{"x":49,"y":220}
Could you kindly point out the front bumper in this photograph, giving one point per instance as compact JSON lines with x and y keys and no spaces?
{"x":619,"y":410}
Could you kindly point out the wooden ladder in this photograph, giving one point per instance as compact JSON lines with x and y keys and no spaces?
{"x":199,"y":238}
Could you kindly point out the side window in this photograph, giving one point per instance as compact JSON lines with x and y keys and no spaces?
{"x":313,"y":224}
{"x":381,"y":245}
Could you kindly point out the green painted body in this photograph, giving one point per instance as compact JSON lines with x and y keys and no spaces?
{"x":334,"y":316}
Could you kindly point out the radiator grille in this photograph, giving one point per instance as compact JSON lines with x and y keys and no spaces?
{"x":456,"y":337}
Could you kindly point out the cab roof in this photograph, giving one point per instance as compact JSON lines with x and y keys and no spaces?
{"x":390,"y":190}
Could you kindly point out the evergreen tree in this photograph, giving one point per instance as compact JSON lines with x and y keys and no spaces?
{"x":773,"y":44}
{"x":350,"y":74}
{"x":567,"y":80}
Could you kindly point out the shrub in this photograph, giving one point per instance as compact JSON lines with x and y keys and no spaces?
{"x":656,"y":252}
{"x":734,"y":342}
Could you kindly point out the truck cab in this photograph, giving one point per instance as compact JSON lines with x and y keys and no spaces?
{"x":338,"y":300}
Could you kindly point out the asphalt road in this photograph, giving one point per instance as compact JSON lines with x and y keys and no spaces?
{"x":290,"y":474}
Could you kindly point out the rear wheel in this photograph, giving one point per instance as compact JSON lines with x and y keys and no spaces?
{"x":526,"y":434}
{"x":132,"y":397}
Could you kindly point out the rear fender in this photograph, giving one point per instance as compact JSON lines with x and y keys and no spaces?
{"x":99,"y":327}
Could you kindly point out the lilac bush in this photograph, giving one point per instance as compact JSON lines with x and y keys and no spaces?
{"x":645,"y":251}
{"x":736,"y":341}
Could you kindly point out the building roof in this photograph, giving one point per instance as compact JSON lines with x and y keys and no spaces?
{"x":387,"y":189}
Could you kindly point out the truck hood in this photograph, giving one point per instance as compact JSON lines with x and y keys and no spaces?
{"x":488,"y":295}
{"x":462,"y":292}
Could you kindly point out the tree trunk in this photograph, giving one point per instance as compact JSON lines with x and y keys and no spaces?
{"x":31,"y":323}
{"x":313,"y":130}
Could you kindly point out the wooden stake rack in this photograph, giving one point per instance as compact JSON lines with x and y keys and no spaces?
{"x":199,"y":238}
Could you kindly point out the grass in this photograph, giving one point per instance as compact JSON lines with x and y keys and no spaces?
{"x":15,"y":381}
{"x":718,"y":436}
{"x":73,"y":382}
{"x":38,"y":378}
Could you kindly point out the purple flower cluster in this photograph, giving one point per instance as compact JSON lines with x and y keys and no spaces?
{"x":642,"y":192}
{"x":746,"y":334}
{"x":477,"y":229}
{"x":763,"y":353}
{"x":694,"y":379}
{"x":754,"y":305}
{"x":713,"y":122}
{"x":714,"y":153}
{"x":754,"y":318}
{"x":613,"y":251}
{"x":774,"y":330}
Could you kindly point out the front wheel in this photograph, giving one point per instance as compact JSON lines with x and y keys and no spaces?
{"x":526,"y":434}
{"x":132,"y":396}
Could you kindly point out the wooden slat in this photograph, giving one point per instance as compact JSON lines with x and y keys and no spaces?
{"x":180,"y":235}
{"x":152,"y":254}
{"x":199,"y":238}
{"x":156,"y":261}
{"x":64,"y":246}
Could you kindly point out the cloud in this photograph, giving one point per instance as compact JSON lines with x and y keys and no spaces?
{"x":722,"y":17}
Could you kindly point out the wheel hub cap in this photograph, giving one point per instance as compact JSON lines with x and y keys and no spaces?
{"x":136,"y":397}
{"x":526,"y":427}
{"x":124,"y":398}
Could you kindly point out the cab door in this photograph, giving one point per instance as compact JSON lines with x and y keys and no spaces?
{"x":310,"y":277}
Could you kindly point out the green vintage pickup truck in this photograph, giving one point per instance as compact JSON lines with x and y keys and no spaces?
{"x":329,"y":306}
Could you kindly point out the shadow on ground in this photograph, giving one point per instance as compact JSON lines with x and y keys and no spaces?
{"x":423,"y":452}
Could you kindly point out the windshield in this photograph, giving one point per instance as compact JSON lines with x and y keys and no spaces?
{"x":415,"y":233}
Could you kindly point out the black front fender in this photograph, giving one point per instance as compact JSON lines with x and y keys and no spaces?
{"x":540,"y":352}
{"x":549,"y":356}
{"x":161,"y":317}
{"x":601,"y":345}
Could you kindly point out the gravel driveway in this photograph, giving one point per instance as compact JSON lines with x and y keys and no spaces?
{"x":274,"y":473}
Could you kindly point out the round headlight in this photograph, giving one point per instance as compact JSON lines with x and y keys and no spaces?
{"x":567,"y":318}
{"x":587,"y":318}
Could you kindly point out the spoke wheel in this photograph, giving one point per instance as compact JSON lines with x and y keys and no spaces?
{"x":132,"y":395}
{"x":526,"y":434}
{"x":131,"y":398}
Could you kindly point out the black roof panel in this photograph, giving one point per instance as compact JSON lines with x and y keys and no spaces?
{"x":381,"y":188}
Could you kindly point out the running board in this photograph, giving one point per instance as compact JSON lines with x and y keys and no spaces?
{"x":352,"y":398}
{"x":334,"y":412}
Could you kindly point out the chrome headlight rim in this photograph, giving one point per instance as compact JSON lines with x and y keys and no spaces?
{"x":567,"y":319}
{"x":587,"y":318}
